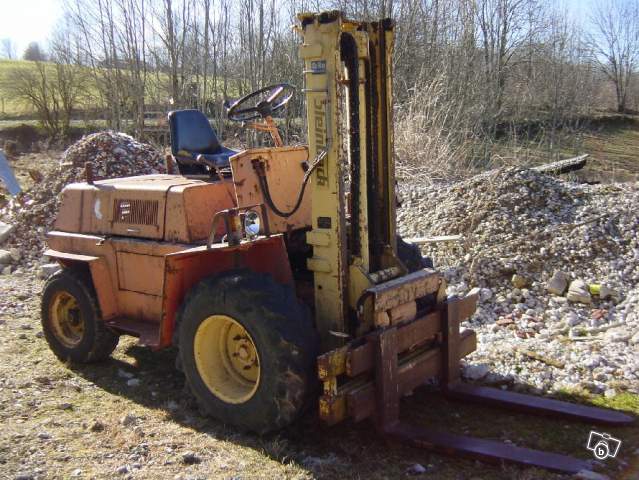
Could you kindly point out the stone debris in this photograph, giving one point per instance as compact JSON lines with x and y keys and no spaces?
{"x":190,"y":458}
{"x":129,"y":420}
{"x":578,"y":292}
{"x":5,"y":231}
{"x":48,"y":269}
{"x":558,"y":283}
{"x":33,"y":212}
{"x":476,"y":372}
{"x":5,"y":257}
{"x":519,"y":281}
{"x":416,"y":469}
{"x":133,"y":382}
{"x":590,"y":475}
{"x":517,"y":222}
{"x":97,"y":426}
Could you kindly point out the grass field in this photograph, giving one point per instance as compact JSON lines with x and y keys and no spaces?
{"x":157,"y":90}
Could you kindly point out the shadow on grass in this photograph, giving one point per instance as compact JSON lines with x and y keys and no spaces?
{"x":356,"y":450}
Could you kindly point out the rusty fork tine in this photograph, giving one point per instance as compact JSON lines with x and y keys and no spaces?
{"x":533,"y":404}
{"x":485,"y":450}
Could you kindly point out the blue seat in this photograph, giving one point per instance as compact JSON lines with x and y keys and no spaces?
{"x":195,"y":145}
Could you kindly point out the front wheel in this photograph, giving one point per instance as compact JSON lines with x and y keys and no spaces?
{"x":248,"y":349}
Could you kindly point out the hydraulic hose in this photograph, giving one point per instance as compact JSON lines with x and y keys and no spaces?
{"x":261,"y":175}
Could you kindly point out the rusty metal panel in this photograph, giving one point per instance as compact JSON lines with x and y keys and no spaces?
{"x":190,"y":209}
{"x":69,"y":215}
{"x":404,"y":289}
{"x":140,"y":306}
{"x":362,"y":359}
{"x":403,"y":313}
{"x":485,"y":450}
{"x":412,"y":373}
{"x":103,"y":285}
{"x":355,"y":359}
{"x":148,"y":333}
{"x":135,"y":214}
{"x":68,"y":256}
{"x":140,"y":273}
{"x":530,"y":404}
{"x":284,"y":174}
{"x":333,"y":363}
{"x":332,"y":409}
{"x":386,"y":377}
{"x":450,"y":342}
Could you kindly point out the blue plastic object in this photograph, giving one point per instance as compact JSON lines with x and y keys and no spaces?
{"x":8,"y":177}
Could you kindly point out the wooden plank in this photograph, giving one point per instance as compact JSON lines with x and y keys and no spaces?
{"x":436,"y":239}
{"x":563,"y":166}
{"x":413,"y":372}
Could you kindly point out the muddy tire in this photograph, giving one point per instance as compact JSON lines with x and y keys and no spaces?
{"x":248,"y":347}
{"x":411,"y":256}
{"x":71,"y":319}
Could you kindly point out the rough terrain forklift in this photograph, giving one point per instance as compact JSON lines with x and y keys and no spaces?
{"x":270,"y":267}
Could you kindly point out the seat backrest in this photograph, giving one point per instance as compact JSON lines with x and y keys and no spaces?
{"x":191,"y":131}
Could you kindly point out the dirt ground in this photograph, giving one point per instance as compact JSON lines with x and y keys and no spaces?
{"x":130,"y":417}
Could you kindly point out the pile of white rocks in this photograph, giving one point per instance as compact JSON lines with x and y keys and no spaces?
{"x":30,"y":215}
{"x":557,"y":268}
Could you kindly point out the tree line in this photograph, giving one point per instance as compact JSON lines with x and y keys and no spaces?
{"x":477,"y":70}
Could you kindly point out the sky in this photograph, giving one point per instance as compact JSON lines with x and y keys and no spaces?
{"x":25,"y":21}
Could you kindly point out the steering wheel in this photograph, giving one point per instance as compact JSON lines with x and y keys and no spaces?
{"x":261,"y":103}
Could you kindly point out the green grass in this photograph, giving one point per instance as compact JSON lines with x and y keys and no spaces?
{"x":611,"y":141}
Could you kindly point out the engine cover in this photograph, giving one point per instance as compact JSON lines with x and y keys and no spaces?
{"x":161,"y":207}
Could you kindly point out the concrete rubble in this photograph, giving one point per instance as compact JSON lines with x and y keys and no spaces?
{"x":520,"y":224}
{"x":32,"y":213}
{"x":578,"y":292}
{"x":558,"y":283}
{"x":5,"y":231}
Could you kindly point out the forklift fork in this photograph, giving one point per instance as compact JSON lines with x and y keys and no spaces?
{"x":487,"y":450}
{"x":395,"y":372}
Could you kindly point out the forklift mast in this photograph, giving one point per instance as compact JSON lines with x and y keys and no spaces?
{"x":348,"y":89}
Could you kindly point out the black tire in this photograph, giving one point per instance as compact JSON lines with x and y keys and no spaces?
{"x":282,"y":331}
{"x":411,"y":256}
{"x":97,"y":341}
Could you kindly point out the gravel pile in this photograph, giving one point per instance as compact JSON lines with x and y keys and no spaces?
{"x":33,"y":213}
{"x":520,"y":229}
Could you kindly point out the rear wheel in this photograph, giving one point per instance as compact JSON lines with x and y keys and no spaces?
{"x":71,"y":319}
{"x":248,"y":350}
{"x":411,"y":256}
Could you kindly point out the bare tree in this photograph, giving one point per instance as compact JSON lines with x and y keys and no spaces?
{"x":615,"y":43}
{"x":7,"y":49}
{"x":52,"y":90}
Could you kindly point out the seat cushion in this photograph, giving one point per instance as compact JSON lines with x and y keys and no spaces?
{"x":220,"y":158}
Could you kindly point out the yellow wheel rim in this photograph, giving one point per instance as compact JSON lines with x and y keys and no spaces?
{"x":66,"y":319}
{"x":226,"y":359}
